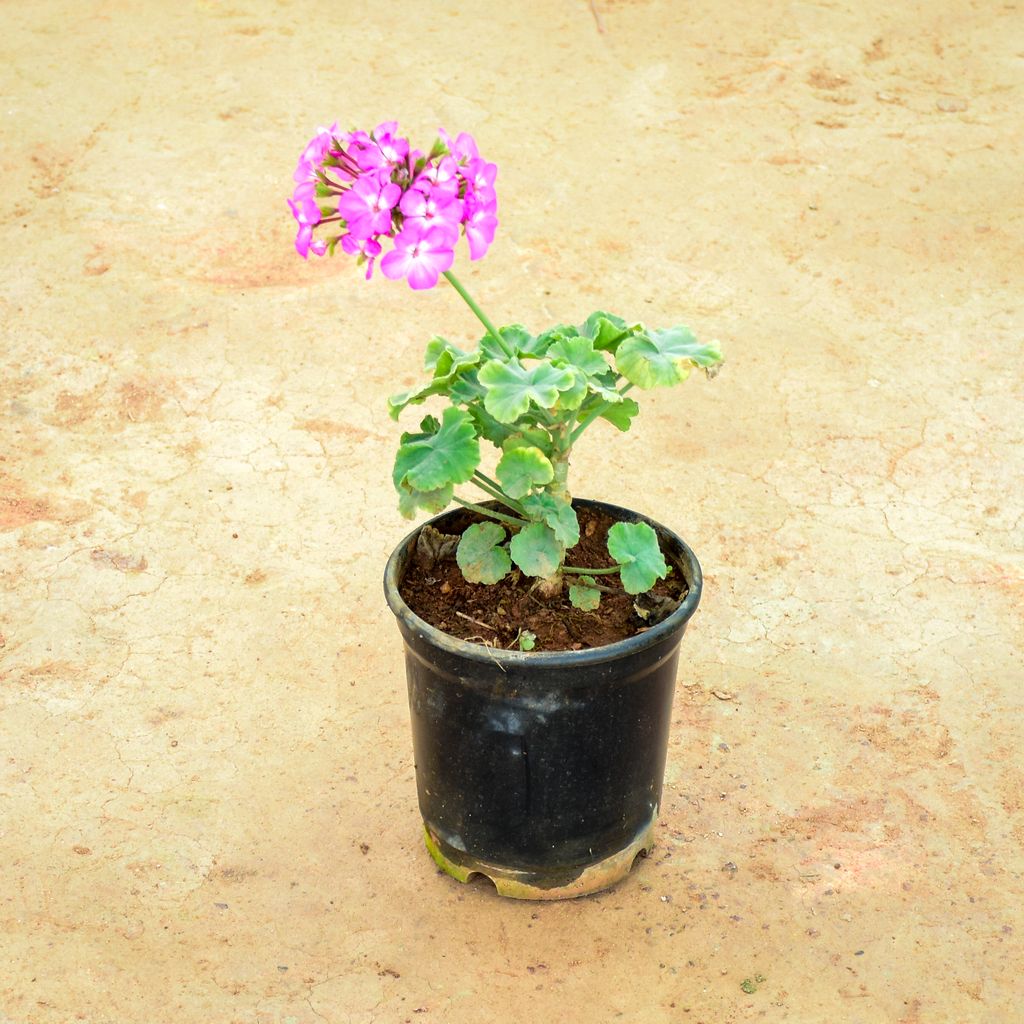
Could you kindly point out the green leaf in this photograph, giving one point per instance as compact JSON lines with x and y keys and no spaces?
{"x":635,"y":547}
{"x":480,"y":555}
{"x":512,"y":387}
{"x":531,"y":437}
{"x":536,"y":550}
{"x":665,"y":357}
{"x":488,"y":427}
{"x":554,"y":334}
{"x":578,"y":352}
{"x":604,"y":385}
{"x":621,"y":415}
{"x":531,"y":347}
{"x":555,"y":513}
{"x":446,"y":359}
{"x":427,"y":462}
{"x":414,"y":396}
{"x":527,"y":640}
{"x":448,"y":363}
{"x":410,"y":501}
{"x":584,"y":595}
{"x":572,"y":398}
{"x":516,"y":336}
{"x":606,"y":330}
{"x":521,"y":469}
{"x":465,"y":389}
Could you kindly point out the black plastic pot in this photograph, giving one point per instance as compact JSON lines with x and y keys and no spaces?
{"x":541,"y":770}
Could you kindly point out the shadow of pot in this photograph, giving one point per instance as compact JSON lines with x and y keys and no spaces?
{"x":541,"y":771}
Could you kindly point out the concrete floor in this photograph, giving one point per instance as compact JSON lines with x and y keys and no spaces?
{"x":207,"y":806}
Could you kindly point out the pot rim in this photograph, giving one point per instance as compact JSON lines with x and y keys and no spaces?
{"x":500,"y":656}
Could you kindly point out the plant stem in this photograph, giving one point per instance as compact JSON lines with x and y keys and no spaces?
{"x":494,"y":490}
{"x":562,"y":444}
{"x":479,"y":313}
{"x":491,"y":514}
{"x":588,"y":572}
{"x":593,"y":414}
{"x":609,"y":590}
{"x":477,"y":475}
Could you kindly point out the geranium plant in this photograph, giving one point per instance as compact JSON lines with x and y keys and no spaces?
{"x":531,"y":396}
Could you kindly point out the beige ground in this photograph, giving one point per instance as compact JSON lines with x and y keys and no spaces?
{"x":207,"y":809}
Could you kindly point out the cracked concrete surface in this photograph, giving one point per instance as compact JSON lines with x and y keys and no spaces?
{"x":207,"y":809}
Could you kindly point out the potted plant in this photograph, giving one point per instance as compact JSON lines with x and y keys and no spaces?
{"x":541,"y":631}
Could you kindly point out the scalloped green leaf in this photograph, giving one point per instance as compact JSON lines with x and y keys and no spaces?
{"x":466,"y":389}
{"x":481,"y":555}
{"x":559,"y":515}
{"x":606,"y":330}
{"x":521,"y":469}
{"x":604,"y":385}
{"x":634,"y":546}
{"x":555,"y":334}
{"x":664,"y":357}
{"x":573,"y":398}
{"x":578,"y":352}
{"x":513,"y":387}
{"x":514,"y":335}
{"x":535,"y":437}
{"x":414,"y":396}
{"x":430,"y":424}
{"x":488,"y":427}
{"x":532,"y":347}
{"x":584,"y":595}
{"x":621,"y":414}
{"x":448,"y":363}
{"x":410,"y":501}
{"x":446,"y":359}
{"x":427,"y":462}
{"x":536,"y":550}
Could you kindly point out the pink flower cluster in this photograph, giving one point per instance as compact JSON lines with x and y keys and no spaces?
{"x":371,"y":186}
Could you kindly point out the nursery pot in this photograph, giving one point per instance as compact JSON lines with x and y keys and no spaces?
{"x":541,"y":770}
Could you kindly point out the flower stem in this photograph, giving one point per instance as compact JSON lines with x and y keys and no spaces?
{"x":590,"y":572}
{"x":491,"y":514}
{"x":479,"y":313}
{"x":477,"y":475}
{"x":490,"y":487}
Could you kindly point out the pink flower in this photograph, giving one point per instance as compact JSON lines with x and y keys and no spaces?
{"x":365,"y":249}
{"x":480,"y":223}
{"x":380,"y":150}
{"x":307,"y":214}
{"x":440,"y":177}
{"x":367,"y":205}
{"x":421,"y":254}
{"x":427,"y":208}
{"x":463,"y":148}
{"x":314,"y":154}
{"x":394,"y":150}
{"x":383,"y":188}
{"x":480,"y":175}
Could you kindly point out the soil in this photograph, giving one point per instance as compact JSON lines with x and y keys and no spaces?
{"x":497,"y":614}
